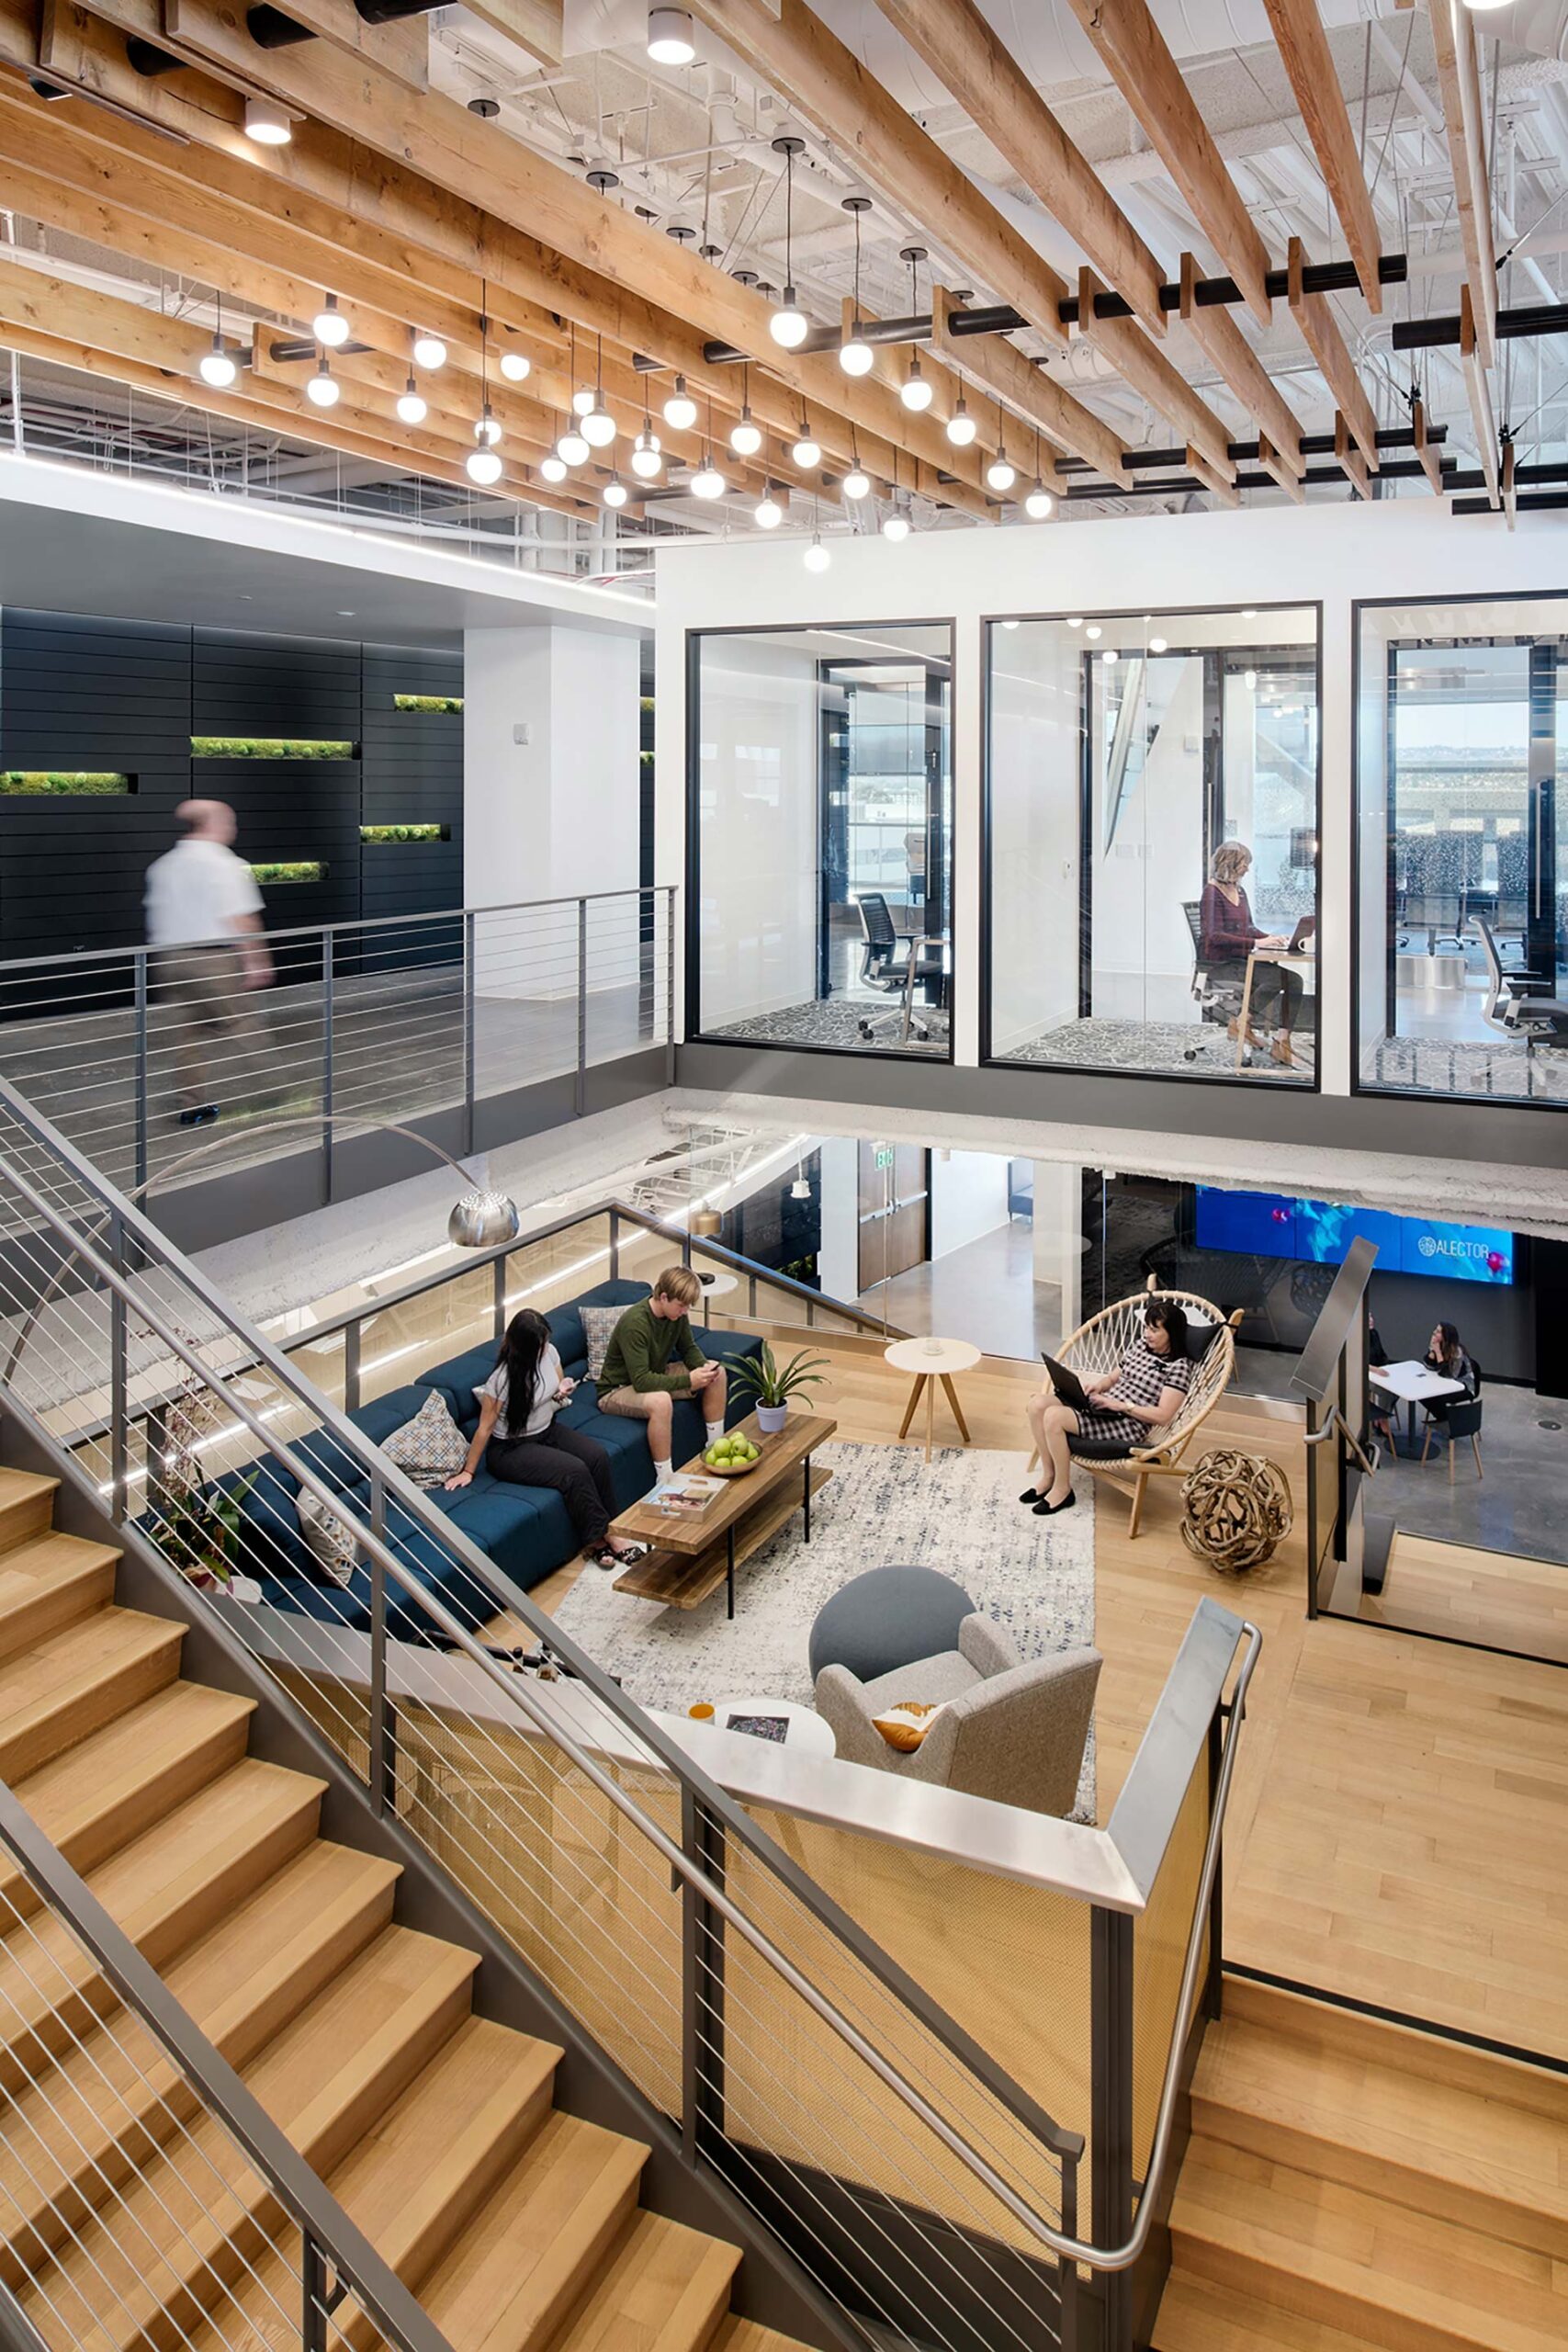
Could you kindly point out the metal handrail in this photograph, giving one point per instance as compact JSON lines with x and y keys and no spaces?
{"x":1065,"y":2143}
{"x":648,"y":1733}
{"x":341,"y":929}
{"x":310,"y":2204}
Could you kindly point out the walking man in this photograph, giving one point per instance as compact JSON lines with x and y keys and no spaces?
{"x":204,"y":918}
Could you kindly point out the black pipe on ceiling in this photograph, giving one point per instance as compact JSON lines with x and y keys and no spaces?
{"x":270,"y":29}
{"x":149,"y":61}
{"x":1525,"y":320}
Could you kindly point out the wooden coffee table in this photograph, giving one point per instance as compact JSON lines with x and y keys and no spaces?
{"x":694,"y":1552}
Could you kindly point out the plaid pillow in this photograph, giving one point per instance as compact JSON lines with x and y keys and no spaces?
{"x":598,"y":1326}
{"x":328,"y":1539}
{"x":431,"y":1447}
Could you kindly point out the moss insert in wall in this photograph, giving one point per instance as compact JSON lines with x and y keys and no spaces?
{"x":386,"y":835}
{"x":268,"y":747}
{"x":445,"y":706}
{"x":294,"y":869}
{"x":63,"y":784}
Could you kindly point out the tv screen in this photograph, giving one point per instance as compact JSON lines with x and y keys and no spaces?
{"x":1276,"y":1225}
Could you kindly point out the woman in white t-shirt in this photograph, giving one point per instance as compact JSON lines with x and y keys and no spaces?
{"x":519,"y":1439}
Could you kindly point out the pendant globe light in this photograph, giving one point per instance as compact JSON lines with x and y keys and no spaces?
{"x":856,"y":356}
{"x":483,"y":465}
{"x":599,"y":427}
{"x":961,"y":426}
{"x":616,"y":491}
{"x":1001,"y":474}
{"x":708,"y":483}
{"x":746,"y":436}
{"x":895,"y":522}
{"x":679,"y":408}
{"x":808,"y":450}
{"x":429,"y":351}
{"x":323,"y":389}
{"x":482,"y":468}
{"x":553,"y":468}
{"x":857,"y":482}
{"x":789,"y":325}
{"x":515,"y":366}
{"x":571,"y":448}
{"x":1039,"y":504}
{"x":767,"y":513}
{"x":816,"y":557}
{"x":216,"y":367}
{"x":328,"y":325}
{"x":915,"y":391}
{"x":412,"y":406}
{"x":648,"y":458}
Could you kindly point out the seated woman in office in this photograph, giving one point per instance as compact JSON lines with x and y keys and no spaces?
{"x":1448,"y":1357}
{"x":1227,"y":935}
{"x":1144,"y":1392}
{"x":524,"y":1395}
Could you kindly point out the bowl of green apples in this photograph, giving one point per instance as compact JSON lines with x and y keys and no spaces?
{"x":732,"y":1456}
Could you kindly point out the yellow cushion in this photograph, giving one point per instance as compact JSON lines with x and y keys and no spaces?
{"x":905,"y":1725}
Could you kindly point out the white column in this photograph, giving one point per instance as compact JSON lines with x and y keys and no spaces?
{"x":1058,"y":1234}
{"x":837,"y":1251}
{"x":551,"y":803}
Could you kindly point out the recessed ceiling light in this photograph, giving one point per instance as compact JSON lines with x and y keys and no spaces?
{"x":672,"y":40}
{"x":267,"y":123}
{"x":345,"y":612}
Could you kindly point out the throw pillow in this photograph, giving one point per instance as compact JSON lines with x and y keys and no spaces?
{"x":431,"y":1447}
{"x":598,"y":1327}
{"x":328,"y":1539}
{"x":905,"y":1725}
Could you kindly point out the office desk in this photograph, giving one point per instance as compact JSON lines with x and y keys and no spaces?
{"x":1305,"y":962}
{"x":1412,"y":1384}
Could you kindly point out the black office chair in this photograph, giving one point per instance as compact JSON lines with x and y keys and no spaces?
{"x":1513,"y":1006}
{"x":1461,"y":1418}
{"x":1217,"y":1001}
{"x":885,"y":965}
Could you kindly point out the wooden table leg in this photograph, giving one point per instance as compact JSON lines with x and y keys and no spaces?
{"x":931,"y":1415}
{"x":1245,"y":1029}
{"x":909,"y":1408}
{"x":957,"y":1407}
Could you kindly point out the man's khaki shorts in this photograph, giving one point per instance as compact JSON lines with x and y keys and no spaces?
{"x":633,"y":1403}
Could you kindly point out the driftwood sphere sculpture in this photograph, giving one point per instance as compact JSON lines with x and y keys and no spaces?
{"x":1238,"y":1507}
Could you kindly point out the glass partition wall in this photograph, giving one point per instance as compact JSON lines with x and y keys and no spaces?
{"x":1461,"y":922}
{"x":1152,"y":811}
{"x":821,"y":828}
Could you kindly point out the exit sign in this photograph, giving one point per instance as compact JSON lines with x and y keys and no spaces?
{"x":883,"y":1154}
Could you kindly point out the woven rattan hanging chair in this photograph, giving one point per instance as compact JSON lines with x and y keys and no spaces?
{"x":1100,"y":1345}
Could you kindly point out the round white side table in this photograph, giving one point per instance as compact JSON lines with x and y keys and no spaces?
{"x":930,"y":1361}
{"x":806,"y":1733}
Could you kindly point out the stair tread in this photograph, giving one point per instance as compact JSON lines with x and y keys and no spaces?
{"x":49,"y":1579}
{"x":203,"y":1854}
{"x":89,"y":2117}
{"x":418,"y":2176}
{"x":736,"y":2335}
{"x":664,"y":2290}
{"x":1386,"y":2257}
{"x":26,"y":1496}
{"x":1198,"y":2315}
{"x":323,"y":2083}
{"x":1384,"y":2110}
{"x":117,"y":1773}
{"x":70,"y":1683}
{"x":519,"y":2268}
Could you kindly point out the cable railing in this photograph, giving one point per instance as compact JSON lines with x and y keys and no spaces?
{"x":149,"y":2195}
{"x":932,"y":2193}
{"x":127,"y":1050}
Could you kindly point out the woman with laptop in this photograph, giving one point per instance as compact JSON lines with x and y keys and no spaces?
{"x":1226,"y":937}
{"x":1113,"y":1408}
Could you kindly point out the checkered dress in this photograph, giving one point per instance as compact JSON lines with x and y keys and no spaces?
{"x":1139,"y":1382}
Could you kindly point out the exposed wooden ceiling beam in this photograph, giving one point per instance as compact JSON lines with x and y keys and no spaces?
{"x":1320,"y":329}
{"x":1140,"y":63}
{"x":1031,"y":391}
{"x":1479,"y":392}
{"x":400,"y":47}
{"x":1459,"y":82}
{"x":1285,"y":470}
{"x":1219,"y":486}
{"x":1217,"y":333}
{"x":790,"y":47}
{"x":1432,"y":465}
{"x":1154,"y":377}
{"x":1309,"y":60}
{"x":533,"y":25}
{"x":1352,"y":463}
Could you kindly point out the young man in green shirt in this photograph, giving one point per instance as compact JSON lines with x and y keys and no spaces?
{"x":653,"y":1357}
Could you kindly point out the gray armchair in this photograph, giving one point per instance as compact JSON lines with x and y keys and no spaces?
{"x":1010,"y":1731}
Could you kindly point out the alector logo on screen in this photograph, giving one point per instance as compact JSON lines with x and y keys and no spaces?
{"x":1275,"y":1225}
{"x":1466,"y":1253}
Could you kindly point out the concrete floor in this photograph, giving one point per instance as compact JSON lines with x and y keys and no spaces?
{"x":1516,"y":1507}
{"x":985,"y":1293}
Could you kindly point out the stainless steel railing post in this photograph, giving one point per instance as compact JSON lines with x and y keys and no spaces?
{"x":119,"y":1426}
{"x":580,"y":1099}
{"x":669,"y":986}
{"x":312,"y":2296}
{"x":1110,"y":2108}
{"x":327,"y":961}
{"x":139,"y":1079}
{"x":615,"y":1244}
{"x":702,"y":1983}
{"x":469,"y":942}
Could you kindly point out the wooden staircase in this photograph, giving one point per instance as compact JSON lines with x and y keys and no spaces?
{"x":1352,"y":2184}
{"x":126,"y":2216}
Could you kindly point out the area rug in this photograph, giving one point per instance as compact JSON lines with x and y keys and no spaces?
{"x":885,"y":1505}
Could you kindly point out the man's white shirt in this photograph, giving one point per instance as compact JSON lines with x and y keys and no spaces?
{"x":196,"y":891}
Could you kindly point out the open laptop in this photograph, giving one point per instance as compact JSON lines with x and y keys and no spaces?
{"x":1069,"y":1388}
{"x":1303,"y":939}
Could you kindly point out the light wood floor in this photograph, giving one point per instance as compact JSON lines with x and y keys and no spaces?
{"x":1399,"y":1828}
{"x":1468,"y":1595}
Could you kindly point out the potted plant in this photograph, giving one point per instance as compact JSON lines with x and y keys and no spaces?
{"x":774,"y":1386}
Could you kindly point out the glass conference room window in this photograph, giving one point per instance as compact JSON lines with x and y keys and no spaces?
{"x":821,"y":820}
{"x":1462,"y":848}
{"x":1132,"y":762}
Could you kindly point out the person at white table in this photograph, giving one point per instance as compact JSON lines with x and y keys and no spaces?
{"x":1227,"y":936}
{"x":1449,"y":1358}
{"x":1140,"y":1397}
{"x":518,"y":1439}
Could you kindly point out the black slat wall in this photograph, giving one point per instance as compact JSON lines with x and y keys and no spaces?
{"x":109,"y":695}
{"x":413,"y":775}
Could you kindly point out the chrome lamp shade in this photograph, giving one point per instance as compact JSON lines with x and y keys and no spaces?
{"x":481,"y":1219}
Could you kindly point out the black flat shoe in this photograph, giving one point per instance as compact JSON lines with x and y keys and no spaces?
{"x":1030,"y":1495}
{"x":1042,"y":1510}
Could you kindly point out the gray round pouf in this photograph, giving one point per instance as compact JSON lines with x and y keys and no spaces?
{"x":887,"y":1619}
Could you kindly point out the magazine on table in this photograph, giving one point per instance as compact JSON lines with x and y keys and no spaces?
{"x":686,"y":1491}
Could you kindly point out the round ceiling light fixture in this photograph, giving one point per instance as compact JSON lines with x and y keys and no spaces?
{"x":746,"y":436}
{"x":482,"y":466}
{"x":322,"y":388}
{"x":515,"y":366}
{"x":1156,"y":644}
{"x":217,"y":366}
{"x":856,"y":356}
{"x":267,"y":123}
{"x":486,"y":431}
{"x":856,"y":483}
{"x":412,"y":406}
{"x":1001,"y":474}
{"x":915,"y":391}
{"x":767,"y":513}
{"x":553,"y":468}
{"x":895,"y":525}
{"x":708,"y":483}
{"x":599,"y":427}
{"x":807,"y":451}
{"x":679,"y":408}
{"x":648,"y":460}
{"x":671,"y":36}
{"x":789,"y":325}
{"x":582,"y":401}
{"x":429,"y":351}
{"x":1039,"y":505}
{"x":616,"y":491}
{"x":961,"y":426}
{"x":816,"y":557}
{"x":328,"y":325}
{"x":571,"y":448}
